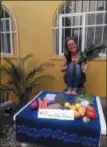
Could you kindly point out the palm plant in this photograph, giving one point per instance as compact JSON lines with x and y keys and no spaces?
{"x":21,"y":81}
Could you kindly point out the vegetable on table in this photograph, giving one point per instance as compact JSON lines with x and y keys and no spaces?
{"x":34,"y":105}
{"x":45,"y":103}
{"x":40,"y":103}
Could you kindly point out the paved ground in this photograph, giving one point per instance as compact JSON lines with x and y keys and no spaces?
{"x":11,"y":142}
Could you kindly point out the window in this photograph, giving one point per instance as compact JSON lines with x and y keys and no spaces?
{"x":8,"y":32}
{"x":84,"y":19}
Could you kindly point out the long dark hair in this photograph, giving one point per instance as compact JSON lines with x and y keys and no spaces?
{"x":75,"y":39}
{"x":67,"y":52}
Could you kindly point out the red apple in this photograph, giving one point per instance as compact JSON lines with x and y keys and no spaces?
{"x":91,"y":108}
{"x":91,"y":114}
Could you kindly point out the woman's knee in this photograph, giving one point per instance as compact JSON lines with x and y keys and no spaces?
{"x":70,"y":66}
{"x":78,"y":69}
{"x":77,"y":66}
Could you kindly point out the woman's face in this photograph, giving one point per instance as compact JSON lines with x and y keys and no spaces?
{"x":72,"y":46}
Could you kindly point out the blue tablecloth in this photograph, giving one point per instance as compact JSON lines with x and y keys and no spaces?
{"x":30,"y":129}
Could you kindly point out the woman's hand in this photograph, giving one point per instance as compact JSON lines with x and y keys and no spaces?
{"x":85,"y":67}
{"x":63,"y":64}
{"x":63,"y":69}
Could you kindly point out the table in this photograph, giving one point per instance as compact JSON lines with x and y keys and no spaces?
{"x":100,"y":111}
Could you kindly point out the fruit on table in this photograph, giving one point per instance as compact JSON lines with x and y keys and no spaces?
{"x":77,"y":106}
{"x":91,"y":114}
{"x":67,"y":105}
{"x":73,"y":107}
{"x":82,"y":111}
{"x":90,"y":108}
{"x":77,"y":114}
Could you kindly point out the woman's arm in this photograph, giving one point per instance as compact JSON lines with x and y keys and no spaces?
{"x":63,"y":64}
{"x":85,"y":66}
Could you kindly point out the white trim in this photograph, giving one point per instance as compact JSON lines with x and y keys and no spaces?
{"x":83,"y":26}
{"x":72,"y":8}
{"x":79,"y":30}
{"x":83,"y":34}
{"x":6,"y":32}
{"x":11,"y":39}
{"x":97,"y":25}
{"x":82,"y":13}
{"x":103,"y":28}
{"x":16,"y":27}
{"x":14,"y":117}
{"x":4,"y":18}
{"x":6,"y":54}
{"x":60,"y":35}
{"x":101,"y":116}
{"x":57,"y":15}
{"x":71,"y":14}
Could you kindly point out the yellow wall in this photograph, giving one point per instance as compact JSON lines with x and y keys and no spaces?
{"x":34,"y":20}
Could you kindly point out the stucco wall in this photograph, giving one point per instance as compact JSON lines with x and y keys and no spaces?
{"x":34,"y":20}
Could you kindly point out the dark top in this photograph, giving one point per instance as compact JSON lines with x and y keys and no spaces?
{"x":68,"y":58}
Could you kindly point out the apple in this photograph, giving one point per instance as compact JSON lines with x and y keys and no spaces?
{"x":90,"y":108}
{"x":91,"y":114}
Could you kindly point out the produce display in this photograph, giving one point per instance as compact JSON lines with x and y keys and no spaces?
{"x":82,"y":105}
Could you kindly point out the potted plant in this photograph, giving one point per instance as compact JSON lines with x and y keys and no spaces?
{"x":22,"y":81}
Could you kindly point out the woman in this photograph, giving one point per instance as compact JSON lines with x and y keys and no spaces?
{"x":74,"y":72}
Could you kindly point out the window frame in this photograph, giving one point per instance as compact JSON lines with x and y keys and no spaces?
{"x":13,"y":30}
{"x":10,"y":33}
{"x":83,"y":26}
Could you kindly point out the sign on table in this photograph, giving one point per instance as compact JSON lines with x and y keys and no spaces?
{"x":56,"y":114}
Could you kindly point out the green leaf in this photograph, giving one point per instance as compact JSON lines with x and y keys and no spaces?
{"x":40,"y":78}
{"x":44,"y":65}
{"x":4,"y":87}
{"x":21,"y":82}
{"x":9,"y":61}
{"x":27,"y":57}
{"x":40,"y":68}
{"x":5,"y":70}
{"x":32,"y":73}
